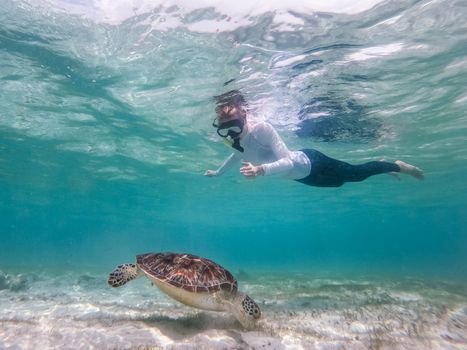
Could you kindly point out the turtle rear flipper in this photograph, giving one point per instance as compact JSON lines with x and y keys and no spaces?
{"x":122,"y":274}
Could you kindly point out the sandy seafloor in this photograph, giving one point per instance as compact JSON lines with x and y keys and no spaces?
{"x":80,"y":311}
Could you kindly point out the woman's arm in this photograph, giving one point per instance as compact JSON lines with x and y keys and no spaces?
{"x":228,"y":163}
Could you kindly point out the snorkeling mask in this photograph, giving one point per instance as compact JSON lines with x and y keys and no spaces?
{"x":230,"y":132}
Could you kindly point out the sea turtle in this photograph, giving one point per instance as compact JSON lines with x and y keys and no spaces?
{"x":193,"y":281}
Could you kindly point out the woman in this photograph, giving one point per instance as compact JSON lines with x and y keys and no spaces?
{"x":262,"y":152}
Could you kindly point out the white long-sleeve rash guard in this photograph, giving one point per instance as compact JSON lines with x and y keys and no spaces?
{"x":263,"y":146}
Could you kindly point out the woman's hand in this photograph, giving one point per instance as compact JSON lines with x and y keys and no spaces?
{"x":250,"y":171}
{"x":210,"y":173}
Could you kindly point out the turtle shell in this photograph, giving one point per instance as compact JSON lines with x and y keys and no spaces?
{"x":188,"y":272}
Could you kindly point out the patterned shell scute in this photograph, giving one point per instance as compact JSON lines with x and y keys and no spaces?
{"x":189,"y":272}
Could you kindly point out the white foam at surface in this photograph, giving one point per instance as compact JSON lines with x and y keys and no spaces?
{"x":288,"y":61}
{"x":389,"y":21}
{"x":117,"y":11}
{"x":213,"y":26}
{"x":374,"y":52}
{"x":461,"y":99}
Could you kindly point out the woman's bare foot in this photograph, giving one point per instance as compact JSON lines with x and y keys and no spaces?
{"x":410,"y":170}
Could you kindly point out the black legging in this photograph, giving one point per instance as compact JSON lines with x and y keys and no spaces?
{"x":329,"y":172}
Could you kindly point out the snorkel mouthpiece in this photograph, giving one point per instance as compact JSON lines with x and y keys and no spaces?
{"x":228,"y":141}
{"x":234,"y":143}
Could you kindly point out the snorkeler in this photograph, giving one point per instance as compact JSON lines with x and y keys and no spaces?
{"x":263,"y":152}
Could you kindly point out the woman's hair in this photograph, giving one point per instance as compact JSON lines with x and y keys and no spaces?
{"x":229,"y":103}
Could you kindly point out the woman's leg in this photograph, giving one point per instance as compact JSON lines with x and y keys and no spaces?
{"x":361,"y":172}
{"x":330,"y":172}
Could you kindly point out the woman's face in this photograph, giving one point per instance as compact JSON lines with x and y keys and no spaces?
{"x":230,"y":122}
{"x":228,"y":113}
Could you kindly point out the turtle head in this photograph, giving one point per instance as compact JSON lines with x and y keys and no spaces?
{"x":245,"y":310}
{"x":123,"y":274}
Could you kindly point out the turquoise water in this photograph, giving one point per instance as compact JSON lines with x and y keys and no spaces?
{"x":105,"y":133}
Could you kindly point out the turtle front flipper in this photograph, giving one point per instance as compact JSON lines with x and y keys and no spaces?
{"x":123,"y":274}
